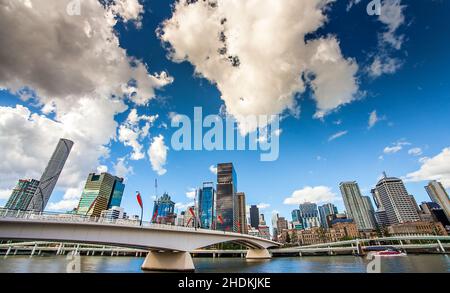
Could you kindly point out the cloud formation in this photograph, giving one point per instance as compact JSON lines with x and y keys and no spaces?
{"x":395,"y":147}
{"x":337,"y":135}
{"x":213,"y":169}
{"x":131,"y":133}
{"x":392,"y":17}
{"x":73,"y":70}
{"x":256,"y":54}
{"x":318,"y":194}
{"x":158,"y":155}
{"x":435,"y":168}
{"x":415,"y":152}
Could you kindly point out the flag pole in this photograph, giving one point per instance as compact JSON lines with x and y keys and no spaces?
{"x":142,"y":214}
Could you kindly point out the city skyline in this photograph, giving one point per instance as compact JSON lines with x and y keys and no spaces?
{"x":102,"y":195}
{"x":389,"y":117}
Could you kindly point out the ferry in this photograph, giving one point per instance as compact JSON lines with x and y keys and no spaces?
{"x":387,"y":251}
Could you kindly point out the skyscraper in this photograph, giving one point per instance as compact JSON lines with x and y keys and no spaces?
{"x":241,"y":212}
{"x":225,"y":201}
{"x":164,"y":211}
{"x":282,"y":224}
{"x":254,"y":216}
{"x":262,"y":220}
{"x":296,"y":216}
{"x":206,"y":205}
{"x":101,"y":192}
{"x":395,"y":200}
{"x":51,"y":175}
{"x":359,"y":208}
{"x":309,"y":215}
{"x":22,"y":194}
{"x":326,"y":210}
{"x":439,"y":195}
{"x":274,"y":226}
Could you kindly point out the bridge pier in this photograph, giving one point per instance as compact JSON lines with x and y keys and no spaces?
{"x":168,"y":261}
{"x":258,"y":254}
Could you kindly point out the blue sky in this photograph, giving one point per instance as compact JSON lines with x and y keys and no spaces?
{"x":412,"y":105}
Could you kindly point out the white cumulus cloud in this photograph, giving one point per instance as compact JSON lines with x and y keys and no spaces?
{"x":415,"y":151}
{"x":256,"y":54}
{"x":213,"y":169}
{"x":318,"y":194}
{"x":191,"y":193}
{"x":395,"y":147}
{"x":435,"y":168}
{"x":263,"y":206}
{"x":74,"y":71}
{"x":158,"y":155}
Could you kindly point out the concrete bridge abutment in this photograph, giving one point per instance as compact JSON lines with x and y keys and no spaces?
{"x":262,"y":253}
{"x":168,"y":261}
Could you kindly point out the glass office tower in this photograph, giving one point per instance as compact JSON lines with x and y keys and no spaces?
{"x":101,"y":192}
{"x":309,"y":215}
{"x":206,"y":205}
{"x":326,"y":210}
{"x":50,"y":175}
{"x":254,"y":216}
{"x":22,"y":194}
{"x":226,"y":192}
{"x":116,"y":196}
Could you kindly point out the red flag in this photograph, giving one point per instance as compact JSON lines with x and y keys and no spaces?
{"x":220,"y":219}
{"x":155,"y":215}
{"x":191,"y":210}
{"x":239,"y":224}
{"x":139,"y":199}
{"x":188,"y":222}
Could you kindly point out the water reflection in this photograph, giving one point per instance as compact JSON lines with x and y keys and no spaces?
{"x":313,"y":264}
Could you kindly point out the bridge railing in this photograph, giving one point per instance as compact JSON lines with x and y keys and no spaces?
{"x":74,"y":218}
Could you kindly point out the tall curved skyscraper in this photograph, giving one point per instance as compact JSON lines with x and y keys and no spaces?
{"x":51,"y":175}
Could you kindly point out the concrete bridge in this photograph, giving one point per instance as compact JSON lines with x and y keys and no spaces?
{"x":169,"y":246}
{"x":440,"y":244}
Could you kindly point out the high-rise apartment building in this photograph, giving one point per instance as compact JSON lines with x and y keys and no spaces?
{"x":225,"y":199}
{"x":359,"y":208}
{"x":439,"y":195}
{"x":309,"y":215}
{"x":22,"y":194}
{"x":274,"y":221}
{"x":254,"y":216}
{"x":395,"y":200}
{"x":50,"y":176}
{"x":326,"y":210}
{"x":282,"y":224}
{"x":101,"y":192}
{"x":206,"y":200}
{"x":241,"y":212}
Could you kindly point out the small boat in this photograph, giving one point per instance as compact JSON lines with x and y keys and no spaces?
{"x":387,"y":251}
{"x":390,"y":253}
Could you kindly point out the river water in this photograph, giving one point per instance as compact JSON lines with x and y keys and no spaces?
{"x":309,"y":264}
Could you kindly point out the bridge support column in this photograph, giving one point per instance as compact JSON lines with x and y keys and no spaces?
{"x":168,"y":261}
{"x":7,"y":252}
{"x":442,"y":249}
{"x":258,"y":254}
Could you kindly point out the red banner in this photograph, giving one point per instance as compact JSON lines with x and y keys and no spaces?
{"x":220,"y":219}
{"x":139,"y":199}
